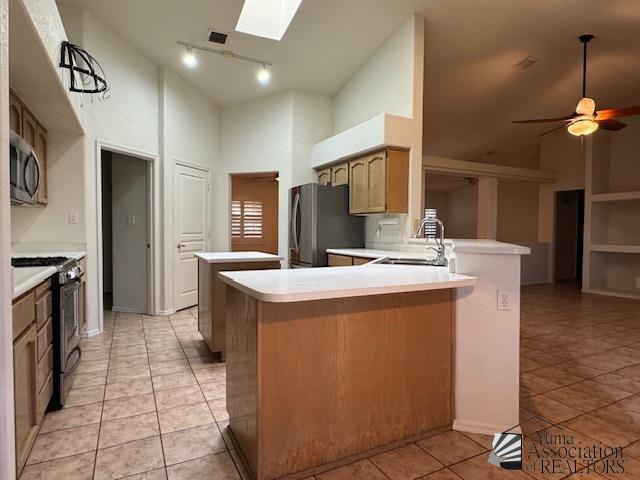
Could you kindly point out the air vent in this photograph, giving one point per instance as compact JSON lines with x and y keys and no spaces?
{"x":217,"y":37}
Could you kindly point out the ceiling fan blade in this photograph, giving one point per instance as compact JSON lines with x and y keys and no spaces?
{"x":611,"y":124}
{"x":618,"y":112}
{"x":552,"y":130}
{"x":545,"y":120}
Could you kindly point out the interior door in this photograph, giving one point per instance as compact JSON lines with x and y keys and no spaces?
{"x":191,"y":230}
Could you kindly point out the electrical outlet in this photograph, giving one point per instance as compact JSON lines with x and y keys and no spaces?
{"x":73,"y":218}
{"x":504,"y":300}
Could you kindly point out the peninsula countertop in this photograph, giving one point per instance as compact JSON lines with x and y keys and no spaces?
{"x":231,"y":257}
{"x":306,"y":284}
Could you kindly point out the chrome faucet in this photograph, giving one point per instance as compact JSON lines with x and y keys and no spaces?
{"x":428,"y":229}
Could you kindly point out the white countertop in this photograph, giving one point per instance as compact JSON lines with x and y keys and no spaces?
{"x":304,"y":284}
{"x":230,"y":257}
{"x":26,"y":278}
{"x":373,"y":253}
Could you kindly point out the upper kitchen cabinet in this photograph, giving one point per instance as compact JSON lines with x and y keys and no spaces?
{"x":324,"y":176}
{"x":379,"y":182}
{"x":25,"y":124}
{"x":15,"y":113}
{"x":340,"y":174}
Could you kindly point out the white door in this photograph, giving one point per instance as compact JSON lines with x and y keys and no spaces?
{"x":190,"y":231}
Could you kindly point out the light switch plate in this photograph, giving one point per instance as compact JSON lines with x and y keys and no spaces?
{"x":73,"y":218}
{"x":505,"y":300}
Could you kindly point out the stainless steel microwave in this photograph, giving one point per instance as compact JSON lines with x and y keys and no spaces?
{"x":24,"y":172}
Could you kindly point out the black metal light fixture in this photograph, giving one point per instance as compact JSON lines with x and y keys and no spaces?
{"x":85,"y":73}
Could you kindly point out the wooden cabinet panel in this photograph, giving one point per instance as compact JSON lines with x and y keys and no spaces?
{"x":361,"y":261}
{"x":29,"y":127}
{"x":377,"y":182}
{"x":358,"y":186}
{"x":45,"y":395}
{"x":40,"y":148}
{"x":45,"y":337}
{"x":339,"y":260}
{"x":43,"y":309}
{"x":44,"y":368}
{"x":340,"y":174}
{"x":25,"y":394}
{"x":324,"y":176}
{"x":15,"y":113}
{"x":23,"y":313}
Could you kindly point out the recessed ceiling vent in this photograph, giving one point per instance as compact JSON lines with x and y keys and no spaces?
{"x":526,"y":62}
{"x":217,"y":37}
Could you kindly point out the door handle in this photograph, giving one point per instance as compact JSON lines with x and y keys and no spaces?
{"x":181,"y":245}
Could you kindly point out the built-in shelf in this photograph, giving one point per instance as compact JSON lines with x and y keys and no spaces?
{"x":616,"y":196}
{"x":608,"y":248}
{"x":614,"y":293}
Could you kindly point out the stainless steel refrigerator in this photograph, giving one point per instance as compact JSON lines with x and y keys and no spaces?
{"x":319,"y":219}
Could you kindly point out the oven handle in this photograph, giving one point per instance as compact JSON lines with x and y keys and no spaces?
{"x":71,"y":370}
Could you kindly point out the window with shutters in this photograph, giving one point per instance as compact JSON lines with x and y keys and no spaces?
{"x":246,"y":219}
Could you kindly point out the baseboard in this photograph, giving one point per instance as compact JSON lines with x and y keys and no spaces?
{"x":91,"y":333}
{"x":124,"y":310}
{"x":472,"y":426}
{"x":170,"y":311}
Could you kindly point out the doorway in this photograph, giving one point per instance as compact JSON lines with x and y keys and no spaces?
{"x":455,"y":198}
{"x":254,"y":212}
{"x":125,"y":202}
{"x":190,"y":230}
{"x":569,"y":236}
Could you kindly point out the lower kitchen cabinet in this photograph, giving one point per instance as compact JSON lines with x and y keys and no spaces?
{"x":346,"y":261}
{"x":32,"y":365}
{"x":25,"y":366}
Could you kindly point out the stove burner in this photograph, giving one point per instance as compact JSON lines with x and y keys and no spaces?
{"x":38,"y":261}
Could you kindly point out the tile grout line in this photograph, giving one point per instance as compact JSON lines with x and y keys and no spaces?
{"x":155,"y":402}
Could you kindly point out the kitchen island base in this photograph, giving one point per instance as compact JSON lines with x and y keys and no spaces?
{"x":312,"y":383}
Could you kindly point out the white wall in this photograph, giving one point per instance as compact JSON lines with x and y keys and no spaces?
{"x":391,"y":81}
{"x":383,"y":84}
{"x":7,"y":430}
{"x":254,"y":137}
{"x":517,"y":211}
{"x":461,"y":221}
{"x":129,"y":234}
{"x":189,"y":133}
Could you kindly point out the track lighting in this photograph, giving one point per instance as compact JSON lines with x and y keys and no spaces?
{"x":189,"y":58}
{"x":264,"y":75}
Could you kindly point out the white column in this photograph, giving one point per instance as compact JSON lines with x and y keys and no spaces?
{"x":487,"y":220}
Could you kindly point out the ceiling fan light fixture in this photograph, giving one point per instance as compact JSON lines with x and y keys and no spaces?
{"x":586,"y":106}
{"x":582,"y":127}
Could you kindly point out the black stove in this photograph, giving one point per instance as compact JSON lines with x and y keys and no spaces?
{"x":38,"y":261}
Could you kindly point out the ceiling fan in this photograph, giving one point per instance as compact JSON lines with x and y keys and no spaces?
{"x":586,"y":120}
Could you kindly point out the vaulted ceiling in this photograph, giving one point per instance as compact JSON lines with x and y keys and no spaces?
{"x":472,"y":89}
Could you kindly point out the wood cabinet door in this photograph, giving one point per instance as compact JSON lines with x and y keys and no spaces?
{"x":25,"y":362}
{"x":29,"y":127}
{"x":377,"y":182}
{"x":339,"y":260}
{"x":324,"y":176}
{"x":340,"y":174}
{"x":40,"y":147}
{"x":15,"y":114}
{"x":358,"y":186}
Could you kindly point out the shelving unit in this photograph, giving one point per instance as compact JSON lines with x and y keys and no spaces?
{"x":612,"y":213}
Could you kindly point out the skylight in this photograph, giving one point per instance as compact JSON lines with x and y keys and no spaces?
{"x":267,"y":18}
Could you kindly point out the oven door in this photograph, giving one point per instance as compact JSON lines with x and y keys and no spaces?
{"x":69,"y":316}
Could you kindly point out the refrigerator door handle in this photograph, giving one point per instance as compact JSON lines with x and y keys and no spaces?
{"x":294,"y":219}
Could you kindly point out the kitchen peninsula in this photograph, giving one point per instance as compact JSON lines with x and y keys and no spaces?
{"x":326,"y":363}
{"x":211,"y":292}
